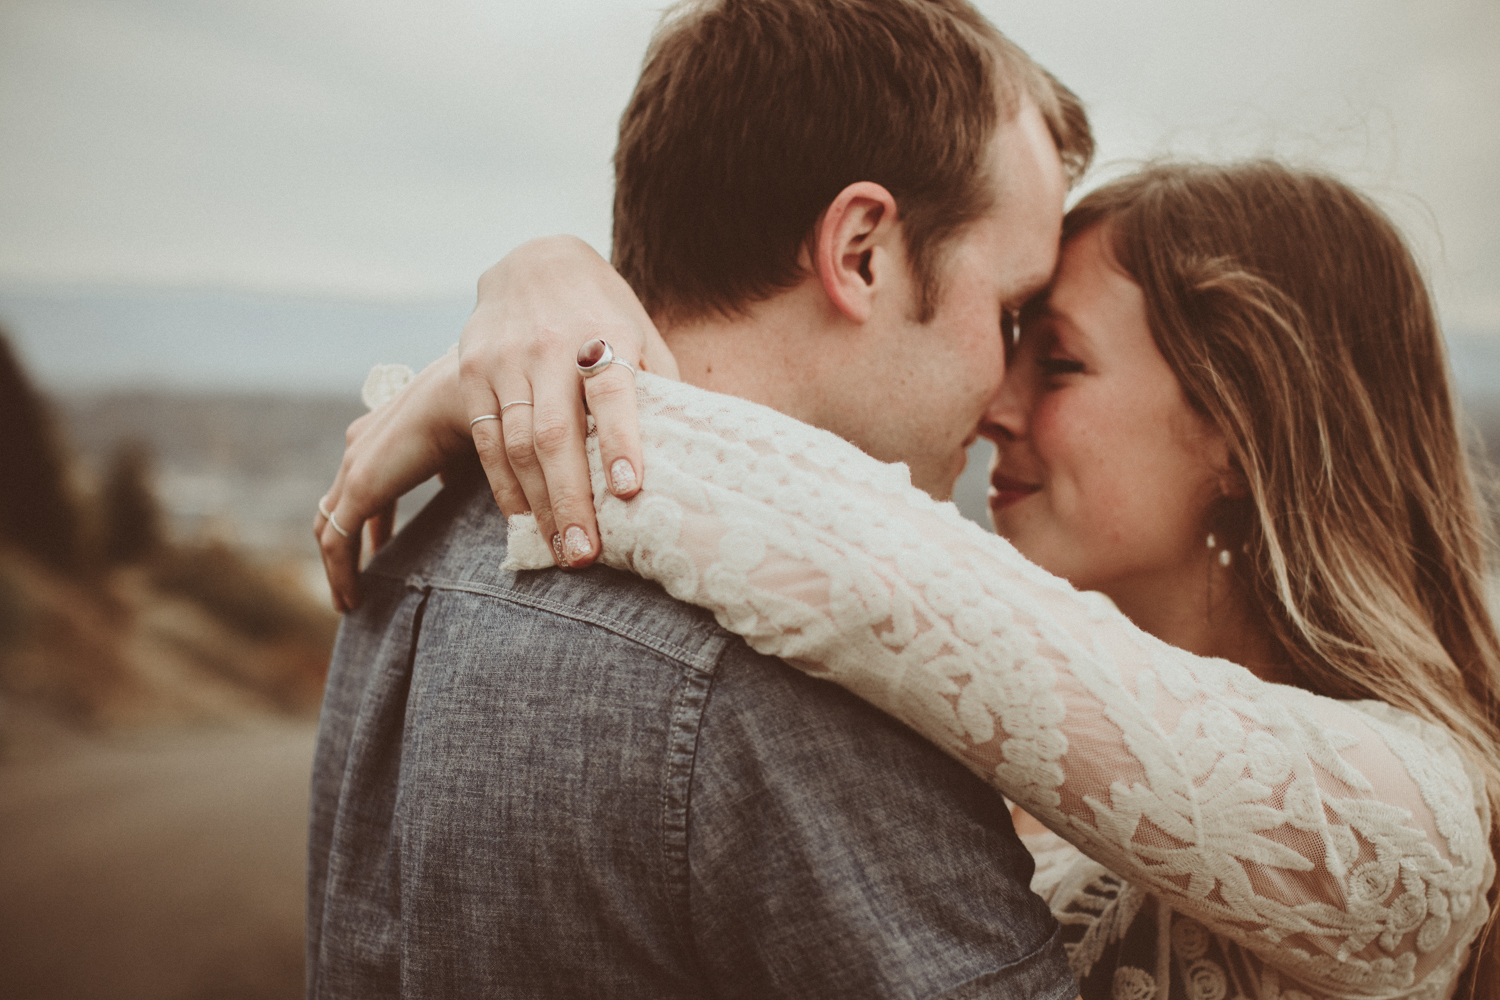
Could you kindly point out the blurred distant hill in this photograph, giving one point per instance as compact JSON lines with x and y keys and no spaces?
{"x":261,"y":435}
{"x":1475,"y":357}
{"x":1484,"y":414}
{"x":242,"y":397}
{"x":1476,"y":372}
{"x":250,"y":466}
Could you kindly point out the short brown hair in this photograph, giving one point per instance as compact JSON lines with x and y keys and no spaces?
{"x":1297,"y":321}
{"x":752,"y":115}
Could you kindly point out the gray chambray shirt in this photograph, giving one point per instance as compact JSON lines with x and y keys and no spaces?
{"x":567,"y":784}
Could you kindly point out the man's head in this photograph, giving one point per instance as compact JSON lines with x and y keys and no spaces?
{"x":753,"y":117}
{"x":913,"y":390}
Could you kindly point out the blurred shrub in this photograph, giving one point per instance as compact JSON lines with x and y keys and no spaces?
{"x":39,"y":512}
{"x":62,"y":648}
{"x":242,"y":594}
{"x":13,"y":616}
{"x":130,"y":516}
{"x":105,"y":619}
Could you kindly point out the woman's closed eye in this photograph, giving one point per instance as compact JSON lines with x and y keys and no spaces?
{"x":1055,"y":366}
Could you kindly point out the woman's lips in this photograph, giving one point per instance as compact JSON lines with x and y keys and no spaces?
{"x":1005,"y":491}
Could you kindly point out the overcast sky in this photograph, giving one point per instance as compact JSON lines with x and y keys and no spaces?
{"x":392,"y":149}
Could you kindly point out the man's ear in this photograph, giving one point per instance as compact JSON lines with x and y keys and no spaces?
{"x":853,"y":247}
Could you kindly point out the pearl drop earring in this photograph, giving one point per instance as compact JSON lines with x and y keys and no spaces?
{"x":1225,"y":556}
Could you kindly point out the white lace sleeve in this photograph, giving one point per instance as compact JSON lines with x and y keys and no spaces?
{"x":1344,"y":842}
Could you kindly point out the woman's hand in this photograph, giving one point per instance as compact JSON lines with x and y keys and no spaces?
{"x":536,"y":308}
{"x":387,"y":452}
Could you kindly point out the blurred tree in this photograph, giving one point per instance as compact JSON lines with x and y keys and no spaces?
{"x":131,"y":516}
{"x":39,"y":512}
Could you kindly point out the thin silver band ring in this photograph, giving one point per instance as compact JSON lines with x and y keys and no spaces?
{"x":323,"y":509}
{"x":624,"y":364}
{"x":496,"y":416}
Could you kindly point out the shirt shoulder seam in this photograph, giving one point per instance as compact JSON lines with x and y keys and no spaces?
{"x":701,"y":658}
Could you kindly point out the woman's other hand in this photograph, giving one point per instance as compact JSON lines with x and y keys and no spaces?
{"x":535,"y":309}
{"x":387,"y":452}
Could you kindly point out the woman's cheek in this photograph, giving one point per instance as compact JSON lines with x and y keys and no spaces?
{"x":1066,"y":439}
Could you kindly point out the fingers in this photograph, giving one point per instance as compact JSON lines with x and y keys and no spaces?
{"x":611,"y":399}
{"x":339,"y":544}
{"x":489,"y":444}
{"x":382,"y":527}
{"x":558,"y":435}
{"x":534,"y":454}
{"x":519,"y":450}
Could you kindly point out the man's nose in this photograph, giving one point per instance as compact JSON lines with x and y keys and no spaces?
{"x":1005,"y":417}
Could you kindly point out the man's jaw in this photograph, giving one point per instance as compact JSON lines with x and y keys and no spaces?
{"x":943,"y":490}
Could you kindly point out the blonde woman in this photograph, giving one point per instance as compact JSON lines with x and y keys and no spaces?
{"x":1270,"y":767}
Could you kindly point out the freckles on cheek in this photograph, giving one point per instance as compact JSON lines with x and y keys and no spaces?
{"x":1107,"y":511}
{"x":1102,"y":483}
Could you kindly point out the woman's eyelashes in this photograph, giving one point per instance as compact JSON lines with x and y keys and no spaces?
{"x":1053,"y":367}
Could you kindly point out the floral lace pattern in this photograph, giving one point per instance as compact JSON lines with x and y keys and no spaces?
{"x":1275,"y":844}
{"x":383,"y":384}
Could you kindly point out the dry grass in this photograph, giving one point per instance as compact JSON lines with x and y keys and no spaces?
{"x":205,"y":634}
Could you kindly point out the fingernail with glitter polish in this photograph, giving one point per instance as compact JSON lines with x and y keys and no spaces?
{"x":557,"y":548}
{"x":622,"y":475}
{"x":578,"y":544}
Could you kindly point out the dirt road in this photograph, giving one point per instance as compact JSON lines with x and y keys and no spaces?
{"x":160,"y":865}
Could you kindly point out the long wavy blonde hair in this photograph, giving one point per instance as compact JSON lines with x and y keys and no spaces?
{"x":1296,"y":320}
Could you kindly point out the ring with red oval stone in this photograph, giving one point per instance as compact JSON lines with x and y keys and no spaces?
{"x":597,"y":355}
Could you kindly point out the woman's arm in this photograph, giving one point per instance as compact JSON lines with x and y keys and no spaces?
{"x":535,"y":308}
{"x":1336,"y":840}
